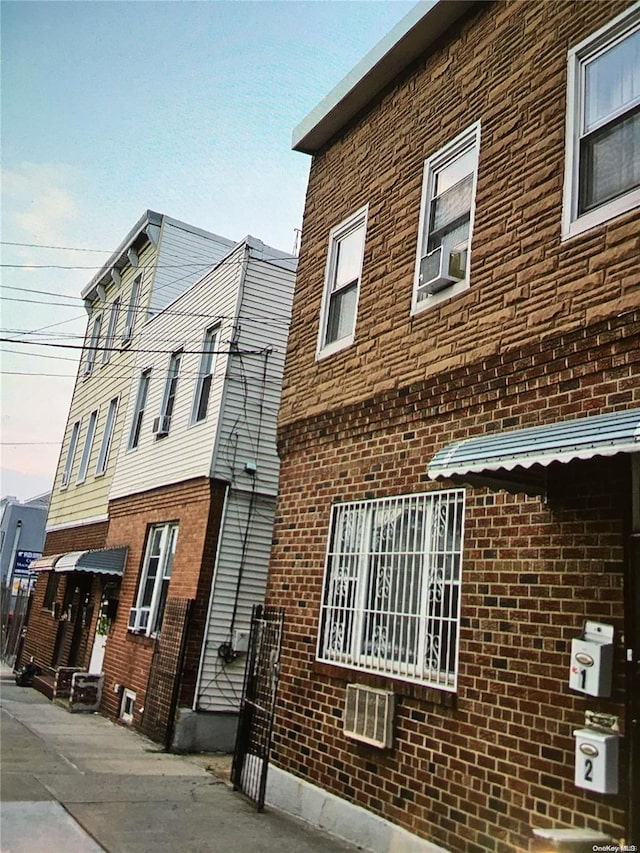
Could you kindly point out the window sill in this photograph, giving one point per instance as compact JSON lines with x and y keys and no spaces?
{"x":332,"y":349}
{"x":444,"y":295}
{"x":601,"y":215}
{"x":410,"y":689}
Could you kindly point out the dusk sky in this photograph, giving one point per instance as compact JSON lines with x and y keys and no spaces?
{"x":113,"y":108}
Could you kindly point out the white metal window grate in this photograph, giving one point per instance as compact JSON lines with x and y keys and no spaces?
{"x":368,"y":715}
{"x":391,"y":600}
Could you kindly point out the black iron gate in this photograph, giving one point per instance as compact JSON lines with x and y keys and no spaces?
{"x":257,"y":708}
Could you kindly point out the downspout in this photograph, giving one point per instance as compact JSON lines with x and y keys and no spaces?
{"x":14,"y":553}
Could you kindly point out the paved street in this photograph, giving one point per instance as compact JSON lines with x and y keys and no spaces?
{"x":78,"y":783}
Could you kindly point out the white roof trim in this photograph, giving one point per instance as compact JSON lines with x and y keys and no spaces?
{"x":411,"y":37}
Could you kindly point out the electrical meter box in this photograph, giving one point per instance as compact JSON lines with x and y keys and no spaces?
{"x":596,"y":761}
{"x":592,"y":660}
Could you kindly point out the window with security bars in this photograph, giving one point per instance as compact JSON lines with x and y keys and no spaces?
{"x":391,"y":598}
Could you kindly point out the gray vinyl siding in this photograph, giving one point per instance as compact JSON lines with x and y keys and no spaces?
{"x":220,"y":684}
{"x":184,"y":256}
{"x":247,"y":432}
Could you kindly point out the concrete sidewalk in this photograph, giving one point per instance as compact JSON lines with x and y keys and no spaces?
{"x":80,"y":784}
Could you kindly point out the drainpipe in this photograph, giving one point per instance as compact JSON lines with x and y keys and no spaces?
{"x":14,"y":551}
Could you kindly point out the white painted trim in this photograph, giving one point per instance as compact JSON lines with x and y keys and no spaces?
{"x":572,"y":223}
{"x":441,"y":157}
{"x":340,"y":818}
{"x":71,"y":524}
{"x":356,"y":220}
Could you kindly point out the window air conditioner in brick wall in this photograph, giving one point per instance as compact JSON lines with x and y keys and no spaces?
{"x":368,"y":715}
{"x":442,"y":267}
{"x":161,"y":425}
{"x":138,"y":619}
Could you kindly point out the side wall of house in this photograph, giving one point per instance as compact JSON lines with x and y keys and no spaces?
{"x":197,"y":506}
{"x":248,"y":419}
{"x":76,"y":502}
{"x":548,"y":329}
{"x":239,"y":583}
{"x":186,"y":451}
{"x":475,"y":770}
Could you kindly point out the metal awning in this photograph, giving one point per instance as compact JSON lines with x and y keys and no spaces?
{"x":516,"y":460}
{"x":44,"y":564}
{"x":106,"y":561}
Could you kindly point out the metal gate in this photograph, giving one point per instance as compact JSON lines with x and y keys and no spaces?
{"x":163,"y":685}
{"x":257,"y":708}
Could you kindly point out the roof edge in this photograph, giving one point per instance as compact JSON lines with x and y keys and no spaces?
{"x":411,"y":37}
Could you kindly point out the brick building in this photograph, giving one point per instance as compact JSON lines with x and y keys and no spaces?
{"x":157,"y":547}
{"x":459,"y":437}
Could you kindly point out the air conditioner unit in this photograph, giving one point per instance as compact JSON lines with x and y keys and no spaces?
{"x":138,"y":619}
{"x":368,"y":715}
{"x":161,"y":425}
{"x":442,"y":267}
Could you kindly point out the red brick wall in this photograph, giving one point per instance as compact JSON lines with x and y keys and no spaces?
{"x":476,"y":771}
{"x":197,"y":506}
{"x":43,"y":627}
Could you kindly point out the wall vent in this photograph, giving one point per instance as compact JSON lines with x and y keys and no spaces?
{"x":368,"y":715}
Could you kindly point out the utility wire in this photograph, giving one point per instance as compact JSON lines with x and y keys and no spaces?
{"x":58,"y":248}
{"x":118,"y":349}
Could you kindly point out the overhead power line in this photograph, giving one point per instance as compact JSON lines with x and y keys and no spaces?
{"x":230,"y":351}
{"x":58,"y":248}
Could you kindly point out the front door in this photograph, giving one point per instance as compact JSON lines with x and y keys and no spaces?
{"x":74,"y":621}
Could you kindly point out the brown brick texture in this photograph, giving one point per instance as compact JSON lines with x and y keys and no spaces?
{"x":197,"y":506}
{"x":504,"y":65}
{"x":548,"y":330}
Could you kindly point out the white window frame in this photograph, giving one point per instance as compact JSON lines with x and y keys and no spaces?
{"x":146,"y":617}
{"x":128,"y":706}
{"x":205,"y":375}
{"x":111,"y":330}
{"x":71,"y":452}
{"x":573,"y":222}
{"x":392,"y":587}
{"x":170,"y":391}
{"x":346,"y":228}
{"x":88,"y":446}
{"x":107,"y":437}
{"x":142,"y":395}
{"x":132,"y":309}
{"x":94,"y":340}
{"x":469,"y":138}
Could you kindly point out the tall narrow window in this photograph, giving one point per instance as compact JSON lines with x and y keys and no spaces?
{"x":342,"y":284}
{"x":111,"y":330}
{"x":205,"y":376}
{"x":602,"y":169}
{"x":88,"y":444}
{"x":132,"y":309}
{"x":446,"y":220}
{"x":146,"y":616}
{"x":138,"y":413}
{"x":92,"y":347}
{"x":107,"y":435}
{"x":162,"y":424}
{"x":391,"y":600}
{"x":71,"y":452}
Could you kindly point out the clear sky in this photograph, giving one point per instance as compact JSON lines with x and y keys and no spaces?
{"x":113,"y":108}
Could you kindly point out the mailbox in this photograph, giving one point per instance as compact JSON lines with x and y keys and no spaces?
{"x":596,"y":761}
{"x":592,"y":660}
